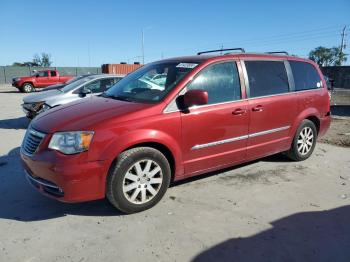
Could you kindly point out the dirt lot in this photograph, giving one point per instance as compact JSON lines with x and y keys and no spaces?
{"x":267,"y":210}
{"x":339,"y":133}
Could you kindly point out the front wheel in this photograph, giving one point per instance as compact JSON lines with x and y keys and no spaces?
{"x":304,"y":141}
{"x":138,"y":180}
{"x":27,"y":88}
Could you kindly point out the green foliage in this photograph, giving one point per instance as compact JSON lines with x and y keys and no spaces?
{"x":44,"y":60}
{"x":324,"y":56}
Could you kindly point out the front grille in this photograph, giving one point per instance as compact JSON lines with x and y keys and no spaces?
{"x":31,"y":141}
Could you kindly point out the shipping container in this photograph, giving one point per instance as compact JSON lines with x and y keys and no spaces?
{"x":122,"y":68}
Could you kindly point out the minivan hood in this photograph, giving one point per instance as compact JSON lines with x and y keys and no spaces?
{"x":84,"y":114}
{"x":41,"y":96}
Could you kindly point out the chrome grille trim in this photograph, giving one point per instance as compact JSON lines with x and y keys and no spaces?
{"x":31,"y":142}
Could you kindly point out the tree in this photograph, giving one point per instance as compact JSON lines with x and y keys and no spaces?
{"x":324,"y":56}
{"x":44,"y":60}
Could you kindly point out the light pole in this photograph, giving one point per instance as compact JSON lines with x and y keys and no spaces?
{"x":143,"y":43}
{"x":143,"y":46}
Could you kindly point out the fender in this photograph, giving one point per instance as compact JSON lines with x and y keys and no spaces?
{"x":308,"y":112}
{"x":26,"y":81}
{"x":134,"y":138}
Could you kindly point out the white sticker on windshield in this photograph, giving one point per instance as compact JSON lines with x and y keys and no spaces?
{"x":187,"y":65}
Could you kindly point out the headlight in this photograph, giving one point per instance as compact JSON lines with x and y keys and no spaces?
{"x":45,"y":107}
{"x":37,"y":106}
{"x":17,"y":79}
{"x":71,"y":142}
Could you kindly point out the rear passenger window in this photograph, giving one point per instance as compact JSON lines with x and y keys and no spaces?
{"x":305,"y":76}
{"x":266,"y":78}
{"x":221,"y":81}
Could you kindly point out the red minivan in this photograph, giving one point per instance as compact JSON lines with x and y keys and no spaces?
{"x":208,"y":113}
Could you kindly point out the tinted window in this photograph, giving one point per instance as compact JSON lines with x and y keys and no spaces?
{"x":43,"y":73}
{"x":53,"y":73}
{"x":107,"y":83}
{"x":305,"y":76}
{"x":221,"y":81}
{"x":94,"y":86}
{"x":266,"y":78}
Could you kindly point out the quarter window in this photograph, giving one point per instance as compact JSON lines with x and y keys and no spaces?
{"x":305,"y":76}
{"x":221,"y":81}
{"x":266,"y":78}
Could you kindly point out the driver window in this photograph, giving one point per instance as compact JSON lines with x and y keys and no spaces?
{"x":220,"y":80}
{"x":43,"y":74}
{"x":94,"y":86}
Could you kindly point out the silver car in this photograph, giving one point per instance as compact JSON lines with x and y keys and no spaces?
{"x":37,"y":103}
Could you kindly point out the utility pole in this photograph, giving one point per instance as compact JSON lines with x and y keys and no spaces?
{"x":343,"y":43}
{"x":143,"y":47}
{"x":222,"y":47}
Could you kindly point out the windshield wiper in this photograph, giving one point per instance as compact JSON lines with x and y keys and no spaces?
{"x":121,"y":98}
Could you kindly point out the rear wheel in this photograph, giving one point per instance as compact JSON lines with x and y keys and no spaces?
{"x":138,"y":180}
{"x":304,"y":141}
{"x":27,"y":88}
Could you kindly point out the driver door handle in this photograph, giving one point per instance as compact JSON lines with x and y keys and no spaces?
{"x":239,"y":111}
{"x":258,"y":108}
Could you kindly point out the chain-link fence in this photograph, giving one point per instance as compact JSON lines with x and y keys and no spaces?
{"x":9,"y":72}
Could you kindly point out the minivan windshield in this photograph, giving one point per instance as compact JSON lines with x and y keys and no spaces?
{"x":76,"y":84}
{"x":150,"y":83}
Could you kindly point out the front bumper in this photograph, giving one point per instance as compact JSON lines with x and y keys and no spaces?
{"x":67,"y":181}
{"x":16,"y":84}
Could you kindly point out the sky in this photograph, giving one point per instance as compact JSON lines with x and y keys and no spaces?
{"x":91,"y":33}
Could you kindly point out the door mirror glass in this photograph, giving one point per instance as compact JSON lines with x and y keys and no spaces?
{"x":195,"y":97}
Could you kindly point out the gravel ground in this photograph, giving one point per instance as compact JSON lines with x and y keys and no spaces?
{"x":267,"y":210}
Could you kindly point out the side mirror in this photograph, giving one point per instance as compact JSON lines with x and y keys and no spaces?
{"x":85,"y":92}
{"x":195,"y":97}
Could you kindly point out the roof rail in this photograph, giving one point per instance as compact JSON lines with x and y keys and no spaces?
{"x":221,"y":50}
{"x":278,"y":52}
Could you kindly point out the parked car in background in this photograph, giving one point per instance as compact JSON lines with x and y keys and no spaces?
{"x":40,"y":79}
{"x":59,"y":86}
{"x":34,"y":104}
{"x":131,"y":142}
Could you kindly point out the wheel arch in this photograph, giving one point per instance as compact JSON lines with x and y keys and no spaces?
{"x":167,"y":145}
{"x":161,"y":148}
{"x":27,"y":82}
{"x":311,"y":114}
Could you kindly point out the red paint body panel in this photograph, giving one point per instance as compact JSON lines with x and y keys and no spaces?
{"x":191,"y":137}
{"x":208,"y":124}
{"x":41,"y":82}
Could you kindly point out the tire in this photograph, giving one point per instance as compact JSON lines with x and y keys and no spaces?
{"x":304,"y":141}
{"x":130,"y":187}
{"x":27,"y":88}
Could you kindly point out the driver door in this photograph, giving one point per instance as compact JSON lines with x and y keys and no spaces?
{"x":42,"y":79}
{"x":215,"y":134}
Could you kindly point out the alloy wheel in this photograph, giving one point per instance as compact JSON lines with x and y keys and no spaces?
{"x":142,"y":181}
{"x":305,"y":140}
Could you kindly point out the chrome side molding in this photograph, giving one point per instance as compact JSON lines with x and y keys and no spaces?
{"x":233,"y":139}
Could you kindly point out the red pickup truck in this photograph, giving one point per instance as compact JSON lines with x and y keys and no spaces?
{"x":40,"y":79}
